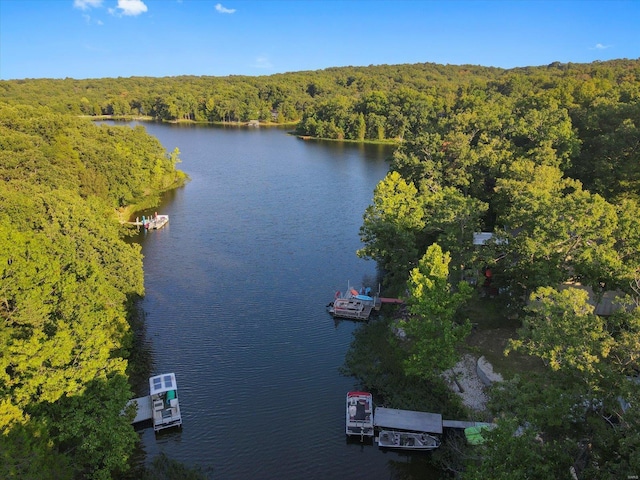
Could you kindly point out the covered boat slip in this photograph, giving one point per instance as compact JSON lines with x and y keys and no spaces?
{"x":394,"y":419}
{"x":407,"y":440}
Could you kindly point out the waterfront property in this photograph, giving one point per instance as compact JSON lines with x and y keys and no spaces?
{"x":413,"y":430}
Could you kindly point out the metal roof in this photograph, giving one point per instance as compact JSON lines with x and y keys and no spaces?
{"x":408,"y":420}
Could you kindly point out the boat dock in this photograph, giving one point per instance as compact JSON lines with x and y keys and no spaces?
{"x":408,"y":420}
{"x":143,"y":412}
{"x":151,"y":223}
{"x":161,"y":406}
{"x":156,"y":222}
{"x":354,"y":305}
{"x":418,"y":421}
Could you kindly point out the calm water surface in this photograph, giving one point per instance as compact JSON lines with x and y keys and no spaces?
{"x":236,"y":288}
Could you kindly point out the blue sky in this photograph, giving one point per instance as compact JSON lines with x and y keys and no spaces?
{"x":123,"y":38}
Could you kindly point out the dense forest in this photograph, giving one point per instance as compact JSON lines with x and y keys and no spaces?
{"x":281,"y":98}
{"x":68,"y":280}
{"x":545,"y":158}
{"x":548,"y":161}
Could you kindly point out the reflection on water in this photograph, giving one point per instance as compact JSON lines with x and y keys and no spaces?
{"x":237,"y":283}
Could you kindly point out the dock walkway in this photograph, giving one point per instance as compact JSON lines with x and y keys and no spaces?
{"x":396,"y":301}
{"x":461,"y":424}
{"x":143,"y":412}
{"x":408,"y":420}
{"x":418,"y":421}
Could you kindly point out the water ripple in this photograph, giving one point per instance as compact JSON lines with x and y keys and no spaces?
{"x":237,"y":285}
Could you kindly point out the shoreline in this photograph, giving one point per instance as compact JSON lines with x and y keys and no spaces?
{"x":250,"y":123}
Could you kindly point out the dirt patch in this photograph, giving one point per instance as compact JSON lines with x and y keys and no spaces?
{"x":463,"y":379}
{"x":493,"y":327}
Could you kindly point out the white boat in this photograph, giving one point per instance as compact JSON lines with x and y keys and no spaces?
{"x":407,"y":440}
{"x":156,"y":222}
{"x":353,"y":305}
{"x":164,"y":401}
{"x":359,"y":414}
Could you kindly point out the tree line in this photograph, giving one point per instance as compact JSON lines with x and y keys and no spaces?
{"x":277,"y":98}
{"x":545,"y":158}
{"x":549,"y":166}
{"x":68,"y":280}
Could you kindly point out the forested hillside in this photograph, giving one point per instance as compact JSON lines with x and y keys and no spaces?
{"x":548,"y":161}
{"x":283,"y":97}
{"x":67,"y":279}
{"x":545,"y":158}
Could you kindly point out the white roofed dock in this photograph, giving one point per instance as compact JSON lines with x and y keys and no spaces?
{"x":408,"y":420}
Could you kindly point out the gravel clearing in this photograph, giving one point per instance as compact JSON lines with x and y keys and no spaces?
{"x":464,"y":380}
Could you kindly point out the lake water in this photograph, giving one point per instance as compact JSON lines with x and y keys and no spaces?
{"x":236,"y":288}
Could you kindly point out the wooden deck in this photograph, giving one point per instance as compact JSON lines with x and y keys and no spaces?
{"x":144,"y":409}
{"x":396,"y":301}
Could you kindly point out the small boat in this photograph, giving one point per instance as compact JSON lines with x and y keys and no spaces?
{"x":156,"y":222}
{"x":164,"y":401}
{"x":359,"y":414}
{"x":353,"y":305}
{"x":407,"y":440}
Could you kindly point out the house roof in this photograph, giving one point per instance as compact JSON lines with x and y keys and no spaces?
{"x":607,"y":305}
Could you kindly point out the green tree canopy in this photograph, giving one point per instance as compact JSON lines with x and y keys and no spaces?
{"x":432,"y":331}
{"x":391,"y":226}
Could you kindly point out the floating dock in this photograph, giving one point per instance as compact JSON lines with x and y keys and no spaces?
{"x":151,"y":223}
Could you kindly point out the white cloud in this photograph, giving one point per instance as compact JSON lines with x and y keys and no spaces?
{"x":221,"y":9}
{"x":86,"y":4}
{"x":600,"y":46}
{"x":90,"y":21}
{"x":262,"y":62}
{"x":132,"y":7}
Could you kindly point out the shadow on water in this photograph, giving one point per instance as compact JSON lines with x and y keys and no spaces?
{"x":237,"y":285}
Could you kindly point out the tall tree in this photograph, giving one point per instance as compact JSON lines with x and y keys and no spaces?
{"x":554,"y":230}
{"x":391,"y":227}
{"x":433,"y":332}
